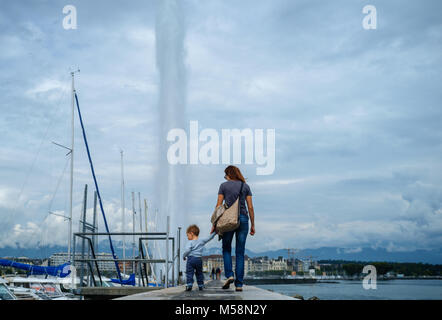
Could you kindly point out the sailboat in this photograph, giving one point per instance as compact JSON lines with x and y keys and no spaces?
{"x":64,"y":270}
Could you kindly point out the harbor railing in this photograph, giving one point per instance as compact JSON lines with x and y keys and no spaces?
{"x":171,"y":261}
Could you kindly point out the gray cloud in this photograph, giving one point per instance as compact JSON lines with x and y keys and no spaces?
{"x":356,"y":113}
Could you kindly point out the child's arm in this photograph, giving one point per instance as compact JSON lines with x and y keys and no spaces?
{"x":187,"y":250}
{"x":205,"y":240}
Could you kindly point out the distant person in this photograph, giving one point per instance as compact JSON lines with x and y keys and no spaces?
{"x":193,"y":252}
{"x":229,"y":192}
{"x":218,"y":273}
{"x":213,"y":273}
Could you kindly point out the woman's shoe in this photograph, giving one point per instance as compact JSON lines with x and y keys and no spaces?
{"x":188,"y":288}
{"x":238,"y":289}
{"x":228,"y":282}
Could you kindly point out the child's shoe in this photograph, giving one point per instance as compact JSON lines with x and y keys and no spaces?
{"x":201,"y":288}
{"x":188,"y":288}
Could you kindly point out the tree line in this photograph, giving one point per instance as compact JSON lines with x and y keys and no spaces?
{"x":353,"y":268}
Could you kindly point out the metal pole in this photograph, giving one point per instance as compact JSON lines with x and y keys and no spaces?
{"x":156,"y":247}
{"x":145,"y":213}
{"x":73,"y":274}
{"x":179,"y":254}
{"x":95,"y":222}
{"x":83,"y":227}
{"x":167,"y":252}
{"x":94,"y":226}
{"x":173,"y":262}
{"x":139,"y":207}
{"x":72,"y":171}
{"x":141,"y":230}
{"x":145,"y":222}
{"x":133,"y":227}
{"x":123,"y":211}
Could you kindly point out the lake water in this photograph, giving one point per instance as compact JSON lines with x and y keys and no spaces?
{"x":353,"y":290}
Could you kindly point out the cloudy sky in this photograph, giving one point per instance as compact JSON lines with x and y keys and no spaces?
{"x":357,"y":115}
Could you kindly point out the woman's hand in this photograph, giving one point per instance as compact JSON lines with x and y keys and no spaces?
{"x":251,"y":214}
{"x":252,"y":230}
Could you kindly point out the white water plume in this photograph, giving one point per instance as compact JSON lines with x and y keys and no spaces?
{"x":170,"y":54}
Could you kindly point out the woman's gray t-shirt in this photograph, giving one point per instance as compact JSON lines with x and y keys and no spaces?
{"x":230,"y":190}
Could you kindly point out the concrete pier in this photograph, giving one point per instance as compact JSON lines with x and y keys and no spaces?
{"x":100,"y":293}
{"x":212,"y":291}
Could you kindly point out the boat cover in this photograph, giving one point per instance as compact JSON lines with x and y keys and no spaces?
{"x":60,"y":271}
{"x":130,"y":281}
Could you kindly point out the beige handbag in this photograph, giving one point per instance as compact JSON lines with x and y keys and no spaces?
{"x":226,"y":218}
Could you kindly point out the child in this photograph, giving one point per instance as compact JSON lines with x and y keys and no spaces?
{"x":194,"y":252}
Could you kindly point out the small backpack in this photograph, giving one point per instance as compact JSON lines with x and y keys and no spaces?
{"x":226,"y":218}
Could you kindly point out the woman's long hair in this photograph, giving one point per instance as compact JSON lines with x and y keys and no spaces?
{"x":234,"y":173}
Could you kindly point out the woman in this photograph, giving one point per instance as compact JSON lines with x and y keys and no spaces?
{"x":228,"y":192}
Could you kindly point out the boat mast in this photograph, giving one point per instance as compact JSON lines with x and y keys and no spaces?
{"x":145,"y":222}
{"x":133,"y":236}
{"x":123,"y":213}
{"x":139,"y":207}
{"x":145,"y":214}
{"x":72,"y":170}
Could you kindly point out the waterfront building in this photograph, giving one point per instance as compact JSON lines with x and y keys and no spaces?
{"x":298,"y":266}
{"x":306,"y":266}
{"x":62,"y":257}
{"x":25,"y":260}
{"x":214,"y":261}
{"x":279,"y":264}
{"x":248,"y":265}
{"x":261,"y":264}
{"x":217,"y":261}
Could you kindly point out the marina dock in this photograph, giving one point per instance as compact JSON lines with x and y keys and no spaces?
{"x":100,"y":293}
{"x":212,"y":291}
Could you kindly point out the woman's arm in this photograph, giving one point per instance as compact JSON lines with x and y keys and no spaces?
{"x":252,"y":214}
{"x":218,"y":203}
{"x":220,"y":200}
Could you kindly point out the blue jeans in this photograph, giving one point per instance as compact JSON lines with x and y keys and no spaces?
{"x":240,"y":246}
{"x":194,"y":264}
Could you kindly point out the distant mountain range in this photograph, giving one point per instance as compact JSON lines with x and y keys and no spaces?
{"x":433,"y":256}
{"x":361,"y":254}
